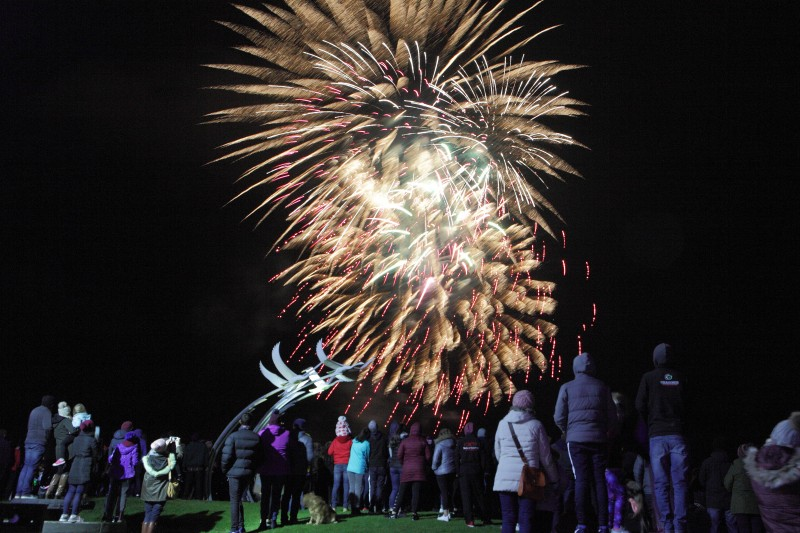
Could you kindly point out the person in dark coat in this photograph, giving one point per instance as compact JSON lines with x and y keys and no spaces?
{"x":414,"y":454}
{"x":157,"y":467}
{"x":585,"y":412}
{"x":195,"y":461}
{"x":378,"y":466}
{"x":241,"y":455}
{"x":396,"y":436}
{"x":40,"y":429}
{"x":774,"y":472}
{"x":712,"y":479}
{"x":661,"y":401}
{"x":6,"y":461}
{"x":296,"y":480}
{"x":471,"y":461}
{"x":82,"y":455}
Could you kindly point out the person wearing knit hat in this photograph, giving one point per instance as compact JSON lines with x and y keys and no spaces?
{"x":40,"y":428}
{"x":158,"y":463}
{"x":520,"y":430}
{"x":585,"y":412}
{"x":339,"y":449}
{"x":60,"y":434}
{"x":83,"y":452}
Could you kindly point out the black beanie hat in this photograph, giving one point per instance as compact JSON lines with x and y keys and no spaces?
{"x":50,"y":402}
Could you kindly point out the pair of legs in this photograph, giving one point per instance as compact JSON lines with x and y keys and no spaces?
{"x":719,"y":517}
{"x":377,"y":479}
{"x":445,"y":483}
{"x":73,"y":499}
{"x":356,"y":482}
{"x":33,"y":456}
{"x":589,"y":461}
{"x":416,"y":488}
{"x":394,"y":477}
{"x":290,"y":502}
{"x":116,"y":498}
{"x":271,"y":489}
{"x":340,"y":481}
{"x":236,"y":489}
{"x":516,"y":510}
{"x":669,"y":461}
{"x":472,"y":494}
{"x":152,"y":511}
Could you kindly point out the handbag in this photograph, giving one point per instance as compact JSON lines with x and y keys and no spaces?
{"x":531,"y":480}
{"x":173,"y":487}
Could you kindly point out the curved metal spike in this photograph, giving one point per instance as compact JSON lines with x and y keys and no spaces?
{"x":274,"y":379}
{"x":282,"y":367}
{"x":324,"y":359}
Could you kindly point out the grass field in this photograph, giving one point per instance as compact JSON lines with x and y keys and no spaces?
{"x":192,"y":516}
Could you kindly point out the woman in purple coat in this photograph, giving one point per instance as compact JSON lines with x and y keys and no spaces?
{"x":122,"y":469}
{"x":414,"y":454}
{"x":274,"y":471}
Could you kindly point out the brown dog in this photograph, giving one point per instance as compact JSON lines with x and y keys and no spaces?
{"x":318,"y":509}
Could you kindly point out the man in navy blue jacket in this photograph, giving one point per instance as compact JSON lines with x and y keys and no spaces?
{"x":661,"y":402}
{"x":40,"y":429}
{"x":241,"y":455}
{"x":586,"y":413}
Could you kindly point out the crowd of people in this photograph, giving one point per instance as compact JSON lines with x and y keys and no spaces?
{"x":617,"y":465}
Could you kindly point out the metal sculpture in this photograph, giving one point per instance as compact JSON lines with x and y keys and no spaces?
{"x":290,"y":388}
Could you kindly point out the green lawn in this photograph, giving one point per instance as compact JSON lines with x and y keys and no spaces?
{"x":191,"y":516}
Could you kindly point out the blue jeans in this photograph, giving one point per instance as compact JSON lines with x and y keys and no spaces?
{"x":339,"y":479}
{"x":394,"y":475}
{"x":516,"y":510}
{"x":589,"y":460}
{"x":73,"y":499}
{"x":33,"y":456}
{"x":669,"y":459}
{"x":719,"y":517}
{"x":152,"y":510}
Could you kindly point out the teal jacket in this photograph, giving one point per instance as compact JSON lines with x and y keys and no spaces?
{"x":359,"y":457}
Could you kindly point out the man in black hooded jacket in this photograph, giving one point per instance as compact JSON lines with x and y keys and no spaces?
{"x":661,"y":401}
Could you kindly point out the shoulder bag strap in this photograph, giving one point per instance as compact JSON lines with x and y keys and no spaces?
{"x":516,"y":442}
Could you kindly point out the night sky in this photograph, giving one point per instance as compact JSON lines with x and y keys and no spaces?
{"x":129,"y":285}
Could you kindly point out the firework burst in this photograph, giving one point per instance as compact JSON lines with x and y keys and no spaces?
{"x":410,"y":155}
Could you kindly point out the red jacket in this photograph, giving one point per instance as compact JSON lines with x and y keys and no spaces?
{"x":340,"y":449}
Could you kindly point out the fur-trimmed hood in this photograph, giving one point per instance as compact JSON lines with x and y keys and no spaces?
{"x":773,"y":466}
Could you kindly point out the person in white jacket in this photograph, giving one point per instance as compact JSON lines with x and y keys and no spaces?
{"x":535,"y":445}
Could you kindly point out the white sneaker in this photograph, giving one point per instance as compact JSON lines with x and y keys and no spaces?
{"x":64,"y":518}
{"x":74,"y":519}
{"x":444,"y":518}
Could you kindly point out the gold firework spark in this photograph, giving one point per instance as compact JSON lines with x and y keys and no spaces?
{"x":410,"y":157}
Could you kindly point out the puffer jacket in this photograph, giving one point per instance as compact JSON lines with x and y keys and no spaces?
{"x":585,"y":410}
{"x":157,"y":467}
{"x":444,"y":456}
{"x":84,"y":450}
{"x":241,"y":454}
{"x":123,"y":460}
{"x":413,"y":454}
{"x":775,"y":477}
{"x":534,"y":443}
{"x":359,"y":457}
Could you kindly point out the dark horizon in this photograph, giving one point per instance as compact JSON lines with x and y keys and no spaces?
{"x":129,"y":283}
